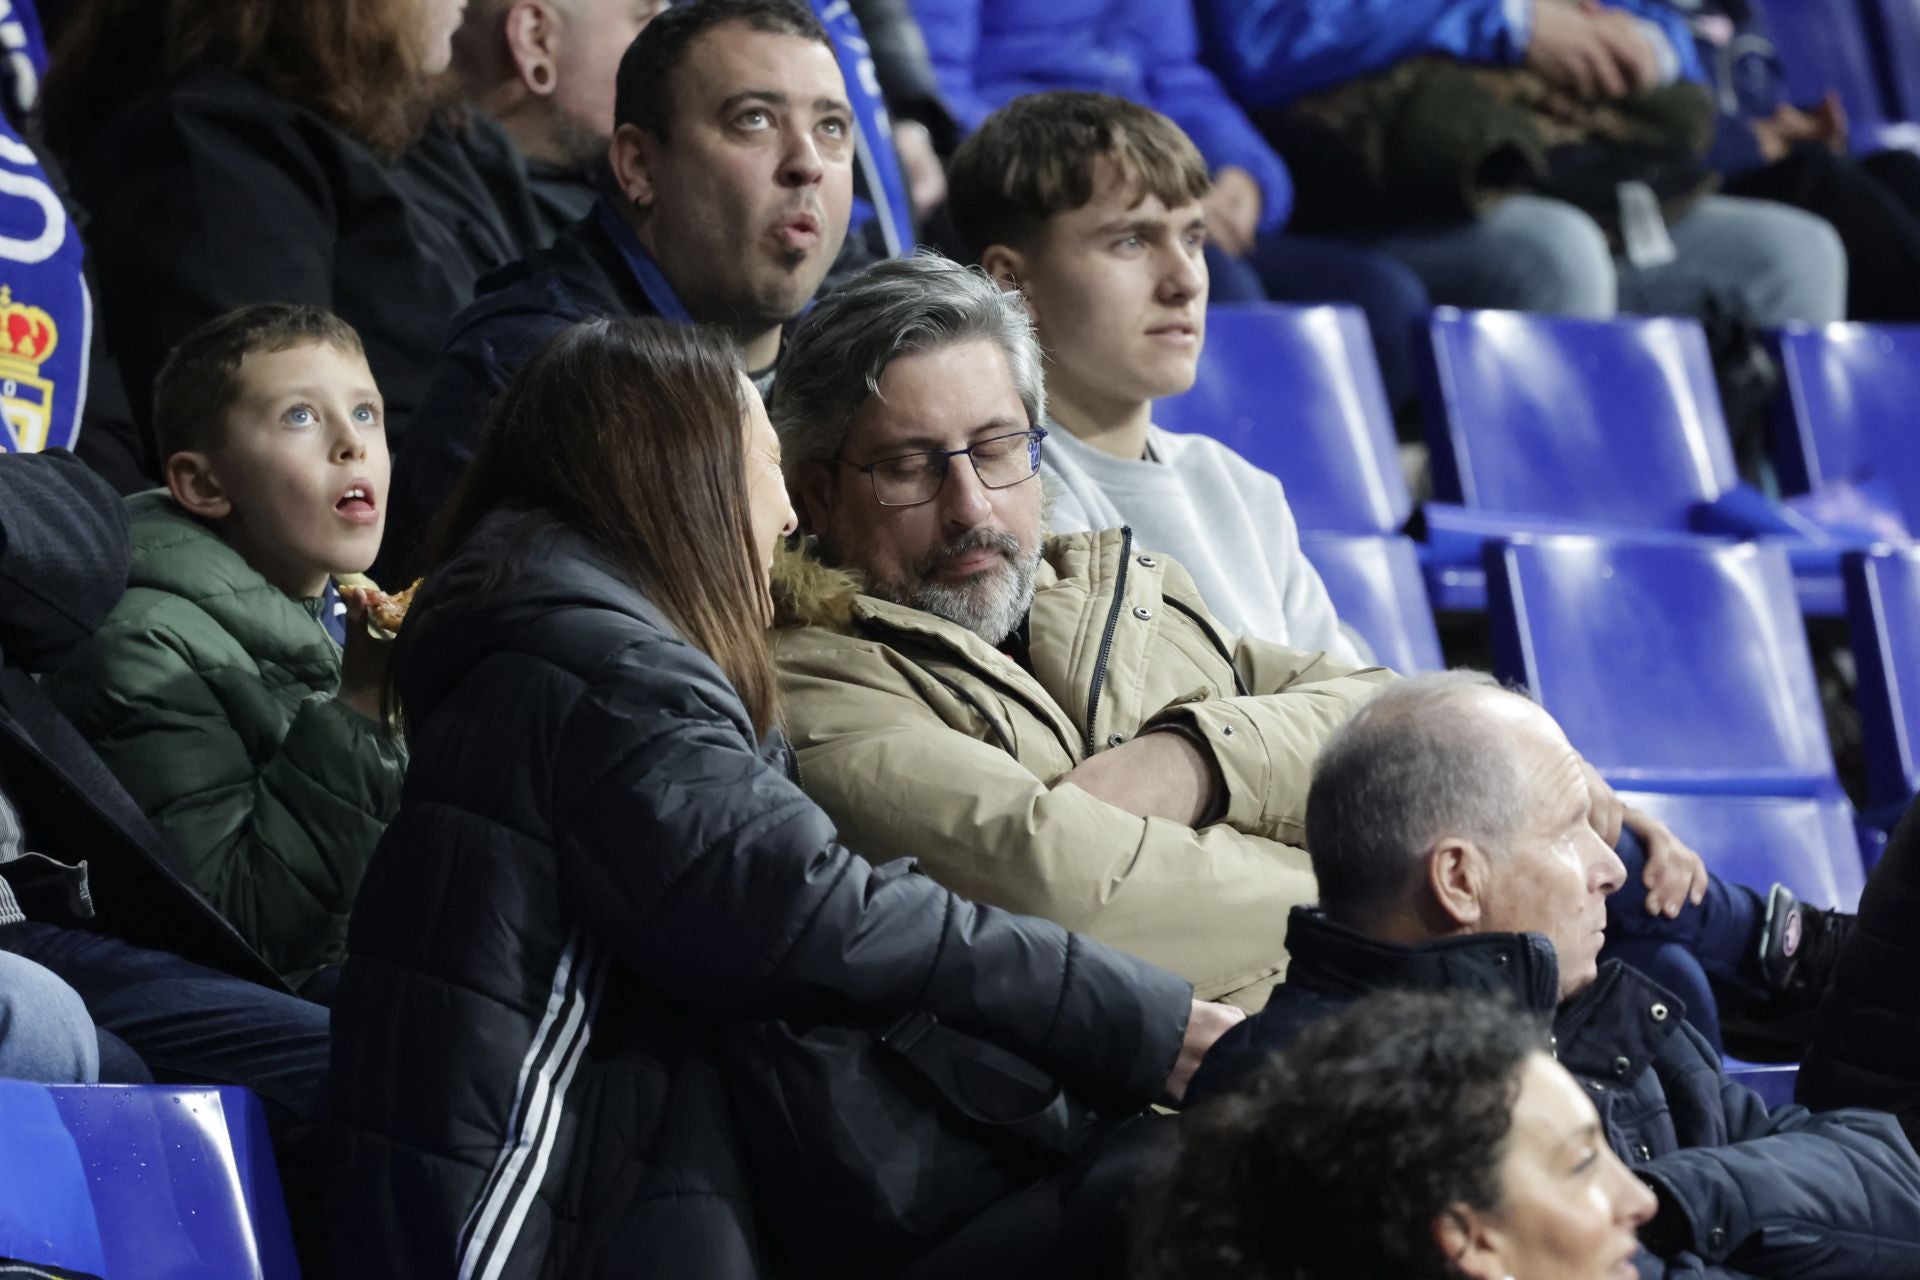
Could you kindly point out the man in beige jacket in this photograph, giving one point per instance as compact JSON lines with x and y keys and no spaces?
{"x":1055,"y":726}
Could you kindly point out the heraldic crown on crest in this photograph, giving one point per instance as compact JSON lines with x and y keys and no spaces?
{"x":28,"y":336}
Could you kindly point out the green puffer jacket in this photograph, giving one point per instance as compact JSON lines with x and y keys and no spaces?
{"x":210,"y":694}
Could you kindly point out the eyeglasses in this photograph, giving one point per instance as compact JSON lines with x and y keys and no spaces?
{"x":913,"y":478}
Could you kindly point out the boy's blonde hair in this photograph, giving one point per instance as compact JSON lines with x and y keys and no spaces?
{"x":200,"y":380}
{"x":1038,"y":156}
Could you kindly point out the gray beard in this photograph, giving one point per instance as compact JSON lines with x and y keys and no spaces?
{"x":990,"y":604}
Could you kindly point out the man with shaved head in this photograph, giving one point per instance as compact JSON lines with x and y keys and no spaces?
{"x":1448,"y":825}
{"x":545,"y":69}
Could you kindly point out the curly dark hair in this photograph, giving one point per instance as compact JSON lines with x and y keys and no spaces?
{"x":1336,"y":1158}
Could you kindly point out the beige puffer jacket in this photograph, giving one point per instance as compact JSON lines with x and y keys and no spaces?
{"x":921,"y":740}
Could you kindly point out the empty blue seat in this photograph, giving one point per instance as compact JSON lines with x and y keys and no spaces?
{"x":141,"y":1183}
{"x":1675,"y":664}
{"x":1894,"y":27}
{"x":1546,"y":424}
{"x":1296,"y":391}
{"x":1809,"y":844}
{"x":1883,"y":613}
{"x":1377,"y":589}
{"x":1844,"y":437}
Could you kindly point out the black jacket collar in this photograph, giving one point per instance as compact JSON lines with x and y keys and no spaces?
{"x":1337,"y":961}
{"x":1611,"y":1030}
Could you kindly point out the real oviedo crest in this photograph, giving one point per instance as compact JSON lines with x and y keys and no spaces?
{"x":45,"y":313}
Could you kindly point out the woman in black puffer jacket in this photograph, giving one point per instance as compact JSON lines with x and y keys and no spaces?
{"x":600,"y":864}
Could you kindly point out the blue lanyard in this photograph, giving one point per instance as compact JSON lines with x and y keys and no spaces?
{"x":646,"y":272}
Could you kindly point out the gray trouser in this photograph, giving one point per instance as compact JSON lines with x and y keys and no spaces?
{"x":45,"y":1033}
{"x":1530,"y":253}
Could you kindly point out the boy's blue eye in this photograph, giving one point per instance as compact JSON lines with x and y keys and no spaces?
{"x":301,"y":416}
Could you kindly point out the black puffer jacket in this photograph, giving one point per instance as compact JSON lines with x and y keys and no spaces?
{"x":595,"y":868}
{"x":1867,"y":1051}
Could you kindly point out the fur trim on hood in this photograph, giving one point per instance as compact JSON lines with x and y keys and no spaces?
{"x":807,"y":592}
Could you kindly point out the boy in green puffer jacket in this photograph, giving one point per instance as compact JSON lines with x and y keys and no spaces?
{"x":219,"y":690}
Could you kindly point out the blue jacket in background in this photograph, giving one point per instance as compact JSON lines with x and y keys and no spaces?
{"x":989,"y":52}
{"x":1271,"y":52}
{"x":1744,"y":70}
{"x":1774,"y":1192}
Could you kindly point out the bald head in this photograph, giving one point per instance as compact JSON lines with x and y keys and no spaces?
{"x":1430,"y":757}
{"x":1449,"y":805}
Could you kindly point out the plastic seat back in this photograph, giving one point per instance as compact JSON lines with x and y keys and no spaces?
{"x":1296,"y":391}
{"x":1883,"y":613}
{"x":1806,"y":843}
{"x":131,"y":1182}
{"x":1893,"y":26}
{"x":1673,"y":664}
{"x":1614,"y":423}
{"x":1844,"y":426}
{"x":1377,"y":589}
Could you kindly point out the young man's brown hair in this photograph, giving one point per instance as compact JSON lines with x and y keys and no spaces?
{"x":201,"y":379}
{"x":1040,"y":155}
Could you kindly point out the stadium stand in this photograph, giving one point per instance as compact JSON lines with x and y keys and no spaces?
{"x":1546,"y":424}
{"x":1843,"y":443}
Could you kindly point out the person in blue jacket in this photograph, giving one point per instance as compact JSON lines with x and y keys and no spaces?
{"x":988,"y":52}
{"x":1530,"y":252}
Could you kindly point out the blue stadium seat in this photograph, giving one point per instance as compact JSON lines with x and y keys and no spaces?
{"x":1774,"y":1082}
{"x":1545,"y":424}
{"x":1675,"y":664}
{"x":1829,"y":44}
{"x":141,"y":1183}
{"x":1377,"y":589}
{"x":1883,"y":613}
{"x":1894,"y":28}
{"x":1296,"y":391}
{"x":1844,"y":438}
{"x":1808,"y":844}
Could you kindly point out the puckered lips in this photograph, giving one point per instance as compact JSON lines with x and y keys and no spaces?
{"x":798,"y":231}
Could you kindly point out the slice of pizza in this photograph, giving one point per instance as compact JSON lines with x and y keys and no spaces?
{"x":388,"y":611}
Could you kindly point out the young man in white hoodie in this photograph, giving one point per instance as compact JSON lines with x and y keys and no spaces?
{"x":1091,"y":206}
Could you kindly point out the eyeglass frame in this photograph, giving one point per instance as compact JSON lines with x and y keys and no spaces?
{"x":1035,"y":437}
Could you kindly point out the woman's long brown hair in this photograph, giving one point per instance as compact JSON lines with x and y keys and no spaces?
{"x":633,"y":432}
{"x":355,"y":62}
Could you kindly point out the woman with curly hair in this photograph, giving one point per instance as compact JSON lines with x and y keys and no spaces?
{"x":238,"y":151}
{"x":1412,"y":1136}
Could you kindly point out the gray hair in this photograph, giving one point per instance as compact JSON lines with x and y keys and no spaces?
{"x":1417,"y":763}
{"x":894,"y":308}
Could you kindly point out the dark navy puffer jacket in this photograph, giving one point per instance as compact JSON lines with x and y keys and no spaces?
{"x":1763,"y":1193}
{"x":593,"y":872}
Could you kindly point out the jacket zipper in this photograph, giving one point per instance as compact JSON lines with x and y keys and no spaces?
{"x":1106,"y":640}
{"x":1219,"y":645}
{"x":1000,"y":735}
